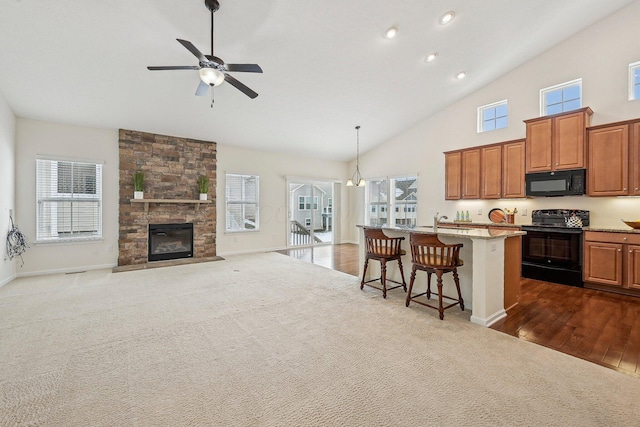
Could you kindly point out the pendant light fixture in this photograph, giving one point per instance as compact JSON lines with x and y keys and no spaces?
{"x":356,"y":177}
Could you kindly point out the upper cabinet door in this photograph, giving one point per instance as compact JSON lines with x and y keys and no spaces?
{"x":471,"y":174}
{"x":491,"y":172}
{"x":608,"y":161}
{"x":453,"y":173}
{"x":635,"y":161}
{"x":513,"y":169}
{"x":568,"y":141}
{"x":538,"y":148}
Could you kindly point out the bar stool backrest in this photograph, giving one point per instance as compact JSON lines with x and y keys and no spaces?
{"x":378,"y":243}
{"x":427,"y":250}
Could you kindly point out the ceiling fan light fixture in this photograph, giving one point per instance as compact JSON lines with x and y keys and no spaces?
{"x":211,"y":76}
{"x":447,"y":17}
{"x":431,"y":57}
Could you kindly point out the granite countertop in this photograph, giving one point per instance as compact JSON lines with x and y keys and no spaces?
{"x":470,"y":233}
{"x":612,"y":229}
{"x":483,"y":223}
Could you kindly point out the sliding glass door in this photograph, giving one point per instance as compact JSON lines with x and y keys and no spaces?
{"x":310,"y":216}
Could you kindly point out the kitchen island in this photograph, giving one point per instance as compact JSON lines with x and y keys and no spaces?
{"x":481,"y":277}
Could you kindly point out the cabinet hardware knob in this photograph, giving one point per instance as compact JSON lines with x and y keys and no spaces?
{"x":625,"y":188}
{"x":625,"y":239}
{"x":557,"y":164}
{"x":619,"y":250}
{"x":630,"y":251}
{"x":549,"y":164}
{"x":636,"y":188}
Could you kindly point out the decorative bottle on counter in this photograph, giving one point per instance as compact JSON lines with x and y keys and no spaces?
{"x":466,"y":217}
{"x":457,"y":215}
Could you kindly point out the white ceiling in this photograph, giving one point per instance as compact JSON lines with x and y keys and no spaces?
{"x":327,"y":67}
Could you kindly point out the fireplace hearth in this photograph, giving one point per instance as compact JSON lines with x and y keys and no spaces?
{"x":170,"y":241}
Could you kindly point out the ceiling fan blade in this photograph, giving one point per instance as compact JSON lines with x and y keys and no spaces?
{"x":244,"y":68}
{"x":176,"y":67}
{"x":240,"y":86}
{"x":191,"y":48}
{"x":203,"y":88}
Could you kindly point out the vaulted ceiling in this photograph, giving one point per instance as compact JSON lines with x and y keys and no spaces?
{"x":327,"y":66}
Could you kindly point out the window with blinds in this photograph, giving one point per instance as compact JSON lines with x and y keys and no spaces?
{"x":242,"y":196}
{"x":69,"y":200}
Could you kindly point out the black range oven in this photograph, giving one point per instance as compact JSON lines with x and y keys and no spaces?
{"x":552,"y":247}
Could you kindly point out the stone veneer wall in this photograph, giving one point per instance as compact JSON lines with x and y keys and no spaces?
{"x":171,"y":167}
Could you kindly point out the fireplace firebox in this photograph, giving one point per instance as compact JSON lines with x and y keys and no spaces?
{"x":170,"y":241}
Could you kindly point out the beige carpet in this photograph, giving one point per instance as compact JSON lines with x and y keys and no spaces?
{"x":267,"y":340}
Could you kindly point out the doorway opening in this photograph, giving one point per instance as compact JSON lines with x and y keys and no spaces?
{"x":310,"y":212}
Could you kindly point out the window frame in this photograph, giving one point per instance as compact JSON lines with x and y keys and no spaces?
{"x":47,"y":192}
{"x":243,"y":203}
{"x":561,"y":87}
{"x":492,"y":106}
{"x":391,"y":209}
{"x":633,"y":67}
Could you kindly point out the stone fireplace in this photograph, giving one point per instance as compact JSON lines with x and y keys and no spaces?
{"x":171,"y":167}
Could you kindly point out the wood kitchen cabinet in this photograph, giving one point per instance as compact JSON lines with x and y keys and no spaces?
{"x":462,"y":174}
{"x":557,"y":142}
{"x":614,"y":153}
{"x":493,"y":171}
{"x":612,"y":262}
{"x":453,"y":175}
{"x":513,"y":155}
{"x":471,"y":174}
{"x":608,"y":149}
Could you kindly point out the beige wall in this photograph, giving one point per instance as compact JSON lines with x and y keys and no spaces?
{"x":273,"y":169}
{"x":7,"y":185}
{"x":599,"y":55}
{"x":35,"y":138}
{"x":44,"y":138}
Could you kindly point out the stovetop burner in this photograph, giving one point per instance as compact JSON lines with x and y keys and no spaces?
{"x":557,"y":218}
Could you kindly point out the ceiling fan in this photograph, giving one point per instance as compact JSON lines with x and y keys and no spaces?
{"x":213,"y":70}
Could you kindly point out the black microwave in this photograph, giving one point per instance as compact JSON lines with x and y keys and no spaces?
{"x":558,"y":183}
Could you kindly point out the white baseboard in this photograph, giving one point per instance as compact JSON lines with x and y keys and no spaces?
{"x":67,"y":270}
{"x":501,"y":314}
{"x":8,"y":279}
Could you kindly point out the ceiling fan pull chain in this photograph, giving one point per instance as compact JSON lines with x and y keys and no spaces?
{"x":211,"y":96}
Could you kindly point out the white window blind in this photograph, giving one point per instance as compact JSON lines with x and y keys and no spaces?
{"x":242,"y":197}
{"x":69,"y":200}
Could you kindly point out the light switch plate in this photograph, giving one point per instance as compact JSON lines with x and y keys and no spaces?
{"x":479,"y":211}
{"x":524,"y":212}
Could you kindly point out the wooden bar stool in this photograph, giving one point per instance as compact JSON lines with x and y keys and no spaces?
{"x":429,"y":254}
{"x":382,"y":248}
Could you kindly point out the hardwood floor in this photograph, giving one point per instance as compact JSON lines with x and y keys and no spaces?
{"x":343,"y":257}
{"x":600,"y":327}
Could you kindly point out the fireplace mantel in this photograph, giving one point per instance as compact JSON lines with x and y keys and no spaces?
{"x":182,"y":201}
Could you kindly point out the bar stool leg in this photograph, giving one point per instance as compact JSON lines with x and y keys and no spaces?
{"x":364,"y":273}
{"x":413,"y":278}
{"x":457,"y":281}
{"x":428,"y":285}
{"x":404,"y":284}
{"x":383,"y":276}
{"x":440,"y":307}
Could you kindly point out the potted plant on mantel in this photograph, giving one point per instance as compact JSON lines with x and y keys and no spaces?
{"x":138,"y":185}
{"x":203,"y":186}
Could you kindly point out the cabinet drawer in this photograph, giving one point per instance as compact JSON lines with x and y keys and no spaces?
{"x":597,"y":236}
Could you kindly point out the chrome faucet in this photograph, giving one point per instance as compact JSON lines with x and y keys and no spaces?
{"x":436,"y":220}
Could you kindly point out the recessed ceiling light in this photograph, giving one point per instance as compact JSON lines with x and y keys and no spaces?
{"x":461,"y":75}
{"x":391,"y":32}
{"x":431,"y":56}
{"x":447,"y":17}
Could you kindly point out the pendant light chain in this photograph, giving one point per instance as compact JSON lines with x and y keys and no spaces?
{"x":356,"y":179}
